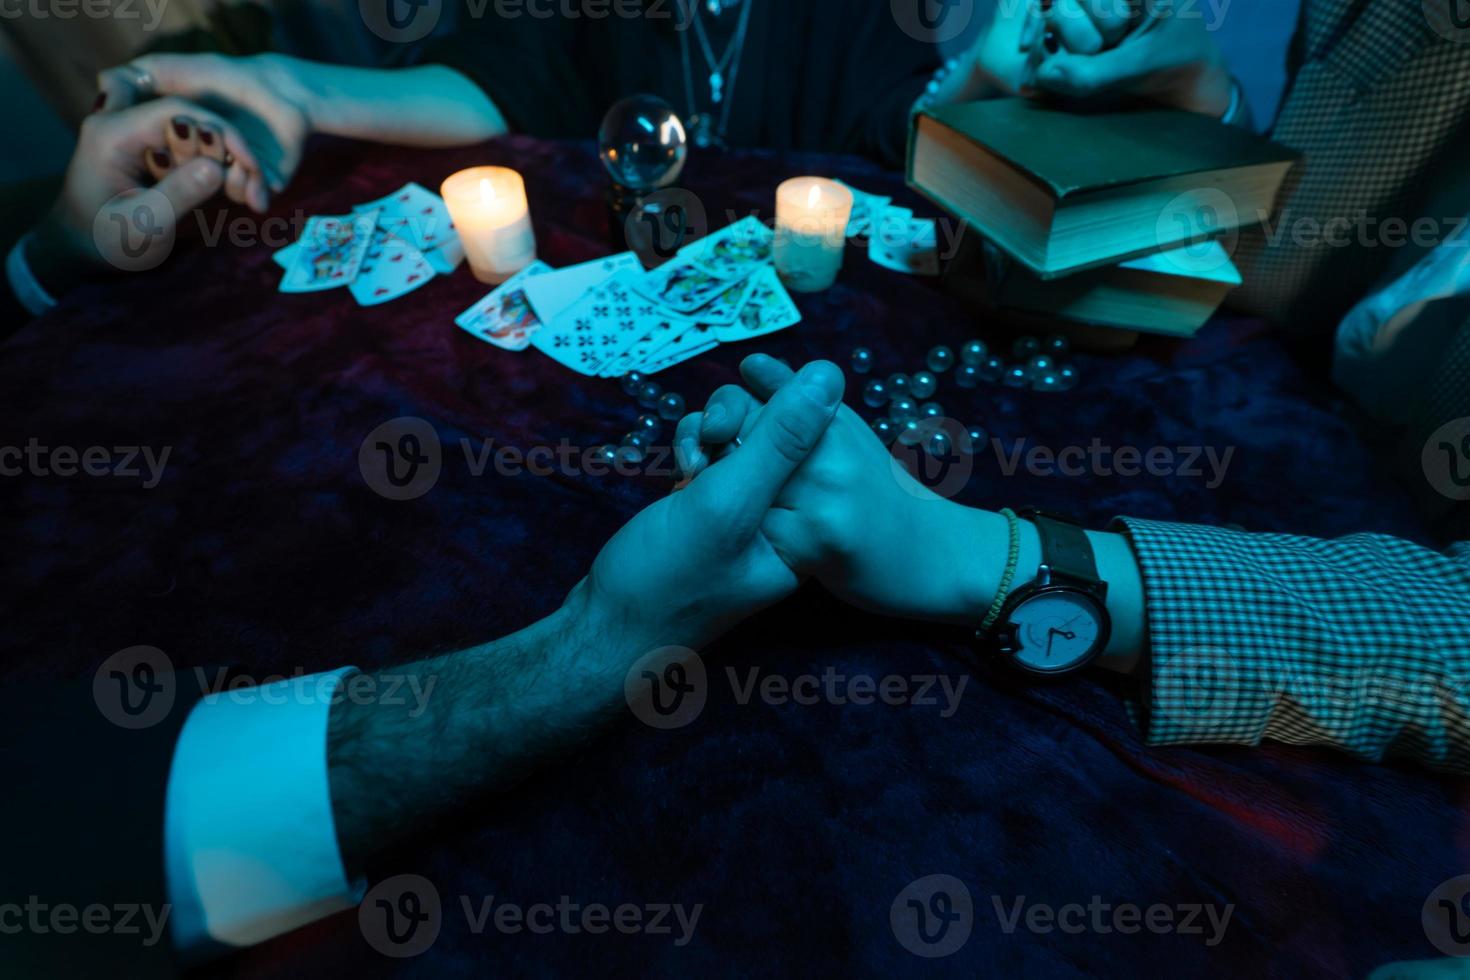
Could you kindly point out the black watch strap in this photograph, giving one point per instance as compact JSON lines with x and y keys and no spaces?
{"x":1065,"y":548}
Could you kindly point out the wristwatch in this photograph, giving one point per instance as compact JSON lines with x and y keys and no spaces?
{"x":1058,"y":623}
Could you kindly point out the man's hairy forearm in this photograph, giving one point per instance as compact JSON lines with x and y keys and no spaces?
{"x":494,"y":713}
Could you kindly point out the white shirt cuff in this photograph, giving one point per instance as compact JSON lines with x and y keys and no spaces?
{"x":23,"y":282}
{"x":250,"y":845}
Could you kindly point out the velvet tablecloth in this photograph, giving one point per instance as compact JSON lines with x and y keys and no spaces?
{"x":794,"y":826}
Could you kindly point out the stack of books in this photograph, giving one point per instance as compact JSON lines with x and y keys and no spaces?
{"x":1112,"y":219}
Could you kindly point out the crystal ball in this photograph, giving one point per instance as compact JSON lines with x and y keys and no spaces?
{"x":974,"y":352}
{"x":875,"y":395}
{"x":642,"y":143}
{"x":885,"y":429}
{"x":898,"y":384}
{"x":648,"y":394}
{"x":671,"y":406}
{"x":1056,"y":345}
{"x":649,"y":425}
{"x":1025,"y":348}
{"x":967,"y":376}
{"x":923,"y":384}
{"x":631,"y":382}
{"x":940,"y":359}
{"x":993,"y":369}
{"x":910,"y":433}
{"x":939,"y":445}
{"x":903,"y":408}
{"x":932,"y":410}
{"x":1016,"y":376}
{"x":862,"y":360}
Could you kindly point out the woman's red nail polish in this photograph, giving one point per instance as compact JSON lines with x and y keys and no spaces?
{"x":206,"y":137}
{"x":160,"y":159}
{"x":99,"y":102}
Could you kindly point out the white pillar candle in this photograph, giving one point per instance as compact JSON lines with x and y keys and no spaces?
{"x":811,"y":232}
{"x":489,"y":210}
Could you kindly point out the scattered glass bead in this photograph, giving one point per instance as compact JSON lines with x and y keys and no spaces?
{"x":631,"y":382}
{"x":967,"y":376}
{"x":638,"y":440}
{"x":940,"y":359}
{"x":929,"y":424}
{"x":1067,"y":375}
{"x":1016,"y":376}
{"x":885,"y":429}
{"x":862,"y":360}
{"x":993,"y":369}
{"x":605,"y":454}
{"x":629,"y":455}
{"x":671,"y":406}
{"x":898,"y":385}
{"x":923,"y":384}
{"x":903,"y":408}
{"x":1057,"y":346}
{"x":932,"y":410}
{"x":976,"y":438}
{"x":875,"y":395}
{"x":974,"y":353}
{"x":939,"y":445}
{"x":648,"y":393}
{"x":650,"y":425}
{"x":1048,"y":381}
{"x":910,"y":433}
{"x":1025,"y":348}
{"x":1041,"y":364}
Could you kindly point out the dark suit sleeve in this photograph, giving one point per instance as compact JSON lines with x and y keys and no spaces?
{"x":82,"y":888}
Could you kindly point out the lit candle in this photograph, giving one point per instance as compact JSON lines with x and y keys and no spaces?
{"x":489,"y":209}
{"x":811,"y":232}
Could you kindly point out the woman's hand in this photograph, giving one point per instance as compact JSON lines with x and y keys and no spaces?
{"x":260,"y":95}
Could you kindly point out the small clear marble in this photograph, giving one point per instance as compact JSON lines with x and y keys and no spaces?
{"x":967,"y":376}
{"x":629,"y":455}
{"x":923,"y":384}
{"x":671,"y":406}
{"x":1041,"y":364}
{"x":885,"y":429}
{"x":1016,"y":376}
{"x":993,"y":369}
{"x":932,"y":410}
{"x":650,"y":425}
{"x":1025,"y":348}
{"x":638,"y":440}
{"x":974,"y":352}
{"x":1057,"y":346}
{"x":648,"y":394}
{"x":903,"y":408}
{"x":631,"y":382}
{"x":910,"y":433}
{"x":939,"y":445}
{"x":862,"y":360}
{"x":875,"y":395}
{"x":898,"y":384}
{"x":940,"y":359}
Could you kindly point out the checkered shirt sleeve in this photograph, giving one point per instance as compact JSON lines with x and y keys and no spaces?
{"x":1361,"y":643}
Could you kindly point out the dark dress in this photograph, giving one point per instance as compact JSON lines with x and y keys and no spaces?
{"x":828,"y":75}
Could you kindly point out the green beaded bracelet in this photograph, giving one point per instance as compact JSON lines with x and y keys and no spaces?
{"x":1013,"y":559}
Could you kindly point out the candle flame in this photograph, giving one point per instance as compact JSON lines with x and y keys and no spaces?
{"x":487,"y":191}
{"x":815,"y":196}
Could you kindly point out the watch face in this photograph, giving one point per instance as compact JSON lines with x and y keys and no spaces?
{"x":1057,"y":630}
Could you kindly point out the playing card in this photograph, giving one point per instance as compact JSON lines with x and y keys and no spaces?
{"x":447,"y":257}
{"x":551,"y":294}
{"x":910,"y":246}
{"x":391,"y":268}
{"x":865,"y":208}
{"x":331,"y":250}
{"x":683,"y":286}
{"x":416,"y":214}
{"x":667,"y":359}
{"x":605,"y":322}
{"x":734,"y":251}
{"x":769,"y":309}
{"x":727,"y":306}
{"x":666,"y":333}
{"x":504,"y":317}
{"x":283,"y":257}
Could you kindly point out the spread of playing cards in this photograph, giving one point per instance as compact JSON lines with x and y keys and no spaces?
{"x":608,"y":317}
{"x":383,"y":250}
